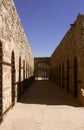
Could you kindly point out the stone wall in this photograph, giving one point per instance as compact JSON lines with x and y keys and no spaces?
{"x":67,"y":61}
{"x":18,"y":61}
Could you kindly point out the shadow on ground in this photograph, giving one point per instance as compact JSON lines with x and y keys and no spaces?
{"x":47,"y":93}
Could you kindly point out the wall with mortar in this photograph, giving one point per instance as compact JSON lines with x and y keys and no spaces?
{"x":14,"y":41}
{"x":67,"y":61}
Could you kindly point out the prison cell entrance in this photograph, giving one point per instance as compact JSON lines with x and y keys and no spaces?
{"x":19,"y":85}
{"x":75,"y":77}
{"x":13,"y":77}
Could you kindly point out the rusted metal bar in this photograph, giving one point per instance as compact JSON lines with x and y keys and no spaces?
{"x":79,"y":81}
{"x":71,"y":67}
{"x":5,"y":63}
{"x":65,"y":78}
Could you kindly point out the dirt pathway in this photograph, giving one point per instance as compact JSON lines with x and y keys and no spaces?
{"x":44,"y":106}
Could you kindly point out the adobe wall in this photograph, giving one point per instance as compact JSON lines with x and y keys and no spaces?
{"x":16,"y":49}
{"x":67,"y":61}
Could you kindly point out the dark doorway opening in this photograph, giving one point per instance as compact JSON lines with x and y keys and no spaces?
{"x":75,"y":77}
{"x":13,"y":77}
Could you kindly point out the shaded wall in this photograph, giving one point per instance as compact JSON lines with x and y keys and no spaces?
{"x":67,"y":61}
{"x":16,"y":59}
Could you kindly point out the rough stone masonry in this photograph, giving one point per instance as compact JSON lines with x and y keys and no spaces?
{"x":67,"y":61}
{"x":16,"y":59}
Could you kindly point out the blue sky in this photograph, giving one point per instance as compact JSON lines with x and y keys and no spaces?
{"x":45,"y":22}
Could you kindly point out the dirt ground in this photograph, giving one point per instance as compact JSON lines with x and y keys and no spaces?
{"x":45,"y":106}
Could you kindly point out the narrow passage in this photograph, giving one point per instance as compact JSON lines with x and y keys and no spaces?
{"x":45,"y":106}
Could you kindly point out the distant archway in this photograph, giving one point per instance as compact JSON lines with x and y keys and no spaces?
{"x":42,"y":71}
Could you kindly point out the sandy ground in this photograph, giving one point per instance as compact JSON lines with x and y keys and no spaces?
{"x":45,"y":106}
